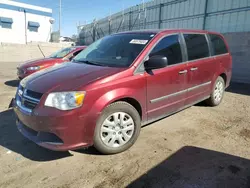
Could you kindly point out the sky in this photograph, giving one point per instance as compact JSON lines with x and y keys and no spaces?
{"x":80,"y":11}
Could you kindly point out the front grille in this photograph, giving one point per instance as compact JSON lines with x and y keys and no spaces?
{"x":28,"y":98}
{"x":29,"y":104}
{"x":34,"y":94}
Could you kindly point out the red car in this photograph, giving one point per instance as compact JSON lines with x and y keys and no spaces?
{"x":120,"y":83}
{"x":64,"y":55}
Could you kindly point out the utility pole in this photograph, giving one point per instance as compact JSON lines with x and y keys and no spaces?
{"x":60,"y":15}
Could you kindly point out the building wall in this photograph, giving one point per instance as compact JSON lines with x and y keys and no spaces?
{"x":228,"y":16}
{"x":21,"y":14}
{"x":239,"y":44}
{"x":44,"y":31}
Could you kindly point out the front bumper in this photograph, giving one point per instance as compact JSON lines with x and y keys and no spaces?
{"x":56,"y":130}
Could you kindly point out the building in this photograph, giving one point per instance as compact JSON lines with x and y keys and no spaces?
{"x":230,"y":17}
{"x":23,"y":23}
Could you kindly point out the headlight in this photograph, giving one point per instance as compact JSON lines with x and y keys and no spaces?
{"x":65,"y":100}
{"x":34,"y":68}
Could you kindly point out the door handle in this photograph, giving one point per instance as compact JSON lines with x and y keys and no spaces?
{"x":194,"y":69}
{"x":183,"y":72}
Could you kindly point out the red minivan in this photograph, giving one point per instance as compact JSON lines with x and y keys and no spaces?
{"x":120,"y":83}
{"x":64,"y":55}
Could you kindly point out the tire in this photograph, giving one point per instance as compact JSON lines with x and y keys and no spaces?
{"x":214,"y":100}
{"x":129,"y":113}
{"x":112,"y":117}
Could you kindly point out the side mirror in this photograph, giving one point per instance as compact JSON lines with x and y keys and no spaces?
{"x":156,"y":62}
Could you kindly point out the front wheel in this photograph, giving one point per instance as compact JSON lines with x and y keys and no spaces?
{"x":117,"y":129}
{"x":218,"y":92}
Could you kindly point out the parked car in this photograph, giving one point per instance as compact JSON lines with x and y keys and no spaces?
{"x":63,"y":55}
{"x":120,"y":83}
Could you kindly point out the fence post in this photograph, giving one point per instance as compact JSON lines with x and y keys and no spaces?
{"x":159,"y":23}
{"x":129,"y":23}
{"x":205,"y":15}
{"x":109,"y":26}
{"x":94,"y":31}
{"x":145,"y":17}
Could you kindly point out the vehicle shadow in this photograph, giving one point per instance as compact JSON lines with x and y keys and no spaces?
{"x":12,"y":83}
{"x":197,"y":167}
{"x":239,"y":88}
{"x":11,"y":139}
{"x":89,"y":151}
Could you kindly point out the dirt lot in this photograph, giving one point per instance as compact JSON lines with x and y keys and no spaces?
{"x":198,"y":147}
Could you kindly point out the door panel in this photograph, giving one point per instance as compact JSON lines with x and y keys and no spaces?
{"x":166,"y":90}
{"x":224,"y":65}
{"x":201,"y":67}
{"x":166,"y":87}
{"x":200,"y":77}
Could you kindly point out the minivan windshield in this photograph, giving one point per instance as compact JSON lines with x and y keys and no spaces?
{"x":119,"y":50}
{"x":62,"y":53}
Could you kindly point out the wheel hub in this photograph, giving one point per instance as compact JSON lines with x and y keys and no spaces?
{"x":218,"y":92}
{"x":117,"y":129}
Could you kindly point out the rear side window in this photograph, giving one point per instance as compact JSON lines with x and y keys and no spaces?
{"x":170,"y":48}
{"x":197,"y":46}
{"x":218,"y":45}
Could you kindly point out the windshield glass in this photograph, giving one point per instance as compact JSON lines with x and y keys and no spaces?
{"x":62,"y":53}
{"x":118,"y":50}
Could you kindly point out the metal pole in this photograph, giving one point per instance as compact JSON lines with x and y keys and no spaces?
{"x":94,"y":30}
{"x":109,"y":22}
{"x":205,"y":15}
{"x":159,"y":23}
{"x":123,"y":15}
{"x":109,"y":26}
{"x":129,"y":24}
{"x":143,"y":9}
{"x":145,"y":16}
{"x":60,"y":15}
{"x":139,"y":17}
{"x":25,"y":26}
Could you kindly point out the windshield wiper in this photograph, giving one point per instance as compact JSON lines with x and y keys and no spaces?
{"x":88,"y":62}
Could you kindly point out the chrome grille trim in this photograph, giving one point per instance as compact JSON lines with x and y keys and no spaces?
{"x":31,"y":99}
{"x":25,"y":102}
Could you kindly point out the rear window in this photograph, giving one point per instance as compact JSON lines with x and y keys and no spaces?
{"x":218,"y":45}
{"x":197,"y":46}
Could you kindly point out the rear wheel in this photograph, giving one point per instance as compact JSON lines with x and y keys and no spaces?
{"x":117,"y":129}
{"x":218,"y":92}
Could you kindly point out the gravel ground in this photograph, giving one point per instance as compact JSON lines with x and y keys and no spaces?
{"x":198,"y":147}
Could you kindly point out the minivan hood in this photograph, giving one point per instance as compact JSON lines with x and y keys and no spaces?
{"x":38,"y":62}
{"x":66,"y":77}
